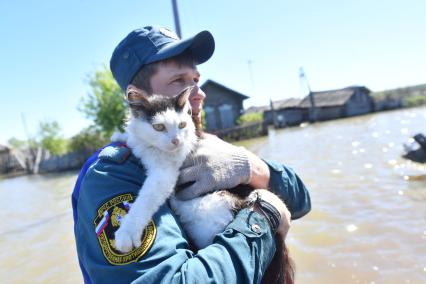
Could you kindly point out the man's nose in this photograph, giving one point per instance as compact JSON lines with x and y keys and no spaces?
{"x":197,"y":94}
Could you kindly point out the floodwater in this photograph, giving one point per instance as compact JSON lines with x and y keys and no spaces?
{"x":367,"y":225}
{"x":368,"y":221}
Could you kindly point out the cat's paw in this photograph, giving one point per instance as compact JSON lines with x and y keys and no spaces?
{"x":127,"y":237}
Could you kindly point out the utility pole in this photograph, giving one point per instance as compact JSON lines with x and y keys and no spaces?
{"x":249,"y":62}
{"x":304,"y":83}
{"x":176,"y":17}
{"x":32,"y":161}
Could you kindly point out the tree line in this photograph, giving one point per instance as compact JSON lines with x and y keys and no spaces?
{"x":103,"y":105}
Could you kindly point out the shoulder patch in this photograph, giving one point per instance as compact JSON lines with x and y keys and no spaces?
{"x":107,"y":222}
{"x":118,"y":154}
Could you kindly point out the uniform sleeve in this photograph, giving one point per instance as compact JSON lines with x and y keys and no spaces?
{"x":240,"y":254}
{"x":287,"y":184}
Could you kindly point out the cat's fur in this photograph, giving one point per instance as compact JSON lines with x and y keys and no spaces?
{"x":203,"y":217}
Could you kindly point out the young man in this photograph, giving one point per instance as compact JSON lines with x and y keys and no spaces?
{"x":155,"y":60}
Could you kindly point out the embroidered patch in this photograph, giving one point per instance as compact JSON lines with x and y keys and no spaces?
{"x":108,"y":221}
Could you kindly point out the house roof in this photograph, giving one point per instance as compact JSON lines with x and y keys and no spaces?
{"x":287,"y":103}
{"x":253,"y":109}
{"x":220,"y":86}
{"x":332,"y":97}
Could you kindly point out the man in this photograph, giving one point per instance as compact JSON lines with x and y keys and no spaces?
{"x":155,"y":60}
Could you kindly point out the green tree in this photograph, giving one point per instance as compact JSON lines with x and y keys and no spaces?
{"x":104,"y":104}
{"x":17,"y":143}
{"x":51,"y":139}
{"x":414,"y":101}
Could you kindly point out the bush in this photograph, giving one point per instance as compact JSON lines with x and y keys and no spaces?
{"x":414,"y":101}
{"x":88,"y":140}
{"x":250,"y":117}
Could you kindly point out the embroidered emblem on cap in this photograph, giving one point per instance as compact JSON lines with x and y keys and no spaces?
{"x":108,"y":221}
{"x":169,"y":33}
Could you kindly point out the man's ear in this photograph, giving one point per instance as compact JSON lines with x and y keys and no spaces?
{"x":183,"y":96}
{"x":136,"y":96}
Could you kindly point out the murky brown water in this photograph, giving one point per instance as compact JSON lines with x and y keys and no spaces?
{"x":36,"y":235}
{"x":368,"y":223}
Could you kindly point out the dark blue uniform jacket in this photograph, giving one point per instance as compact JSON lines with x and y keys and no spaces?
{"x":108,"y":184}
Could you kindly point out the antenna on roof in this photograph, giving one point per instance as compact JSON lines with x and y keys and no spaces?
{"x":305,"y":89}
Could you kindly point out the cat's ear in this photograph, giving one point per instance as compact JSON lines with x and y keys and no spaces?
{"x":136,"y":96}
{"x":183,"y":96}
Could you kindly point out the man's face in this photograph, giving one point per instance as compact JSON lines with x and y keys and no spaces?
{"x":171,"y":78}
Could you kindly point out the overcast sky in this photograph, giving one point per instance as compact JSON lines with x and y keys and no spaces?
{"x":48,"y":48}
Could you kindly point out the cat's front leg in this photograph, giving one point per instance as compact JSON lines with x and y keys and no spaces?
{"x":157,"y":187}
{"x":128,"y":236}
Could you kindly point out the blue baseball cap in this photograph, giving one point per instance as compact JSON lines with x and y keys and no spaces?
{"x":152,"y":44}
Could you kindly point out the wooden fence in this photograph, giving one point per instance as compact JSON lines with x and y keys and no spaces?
{"x":246,"y":131}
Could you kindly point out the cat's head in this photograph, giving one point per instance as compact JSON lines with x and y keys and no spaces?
{"x":161,"y":121}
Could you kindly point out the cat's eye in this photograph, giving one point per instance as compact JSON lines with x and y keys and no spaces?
{"x":182,"y":124}
{"x":159,"y":127}
{"x":189,"y":111}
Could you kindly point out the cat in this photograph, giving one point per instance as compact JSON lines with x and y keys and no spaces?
{"x":161,"y":133}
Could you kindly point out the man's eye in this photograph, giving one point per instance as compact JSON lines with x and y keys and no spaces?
{"x":182,"y":124}
{"x":178,"y":80}
{"x":159,"y":127}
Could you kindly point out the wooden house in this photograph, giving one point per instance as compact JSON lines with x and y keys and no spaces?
{"x":284,"y":113}
{"x":346,"y":102}
{"x":11,"y":160}
{"x":222,"y":105}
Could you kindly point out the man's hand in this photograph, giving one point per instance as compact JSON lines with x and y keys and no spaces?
{"x":214,"y":165}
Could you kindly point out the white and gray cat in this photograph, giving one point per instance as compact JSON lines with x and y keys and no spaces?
{"x":161,"y":134}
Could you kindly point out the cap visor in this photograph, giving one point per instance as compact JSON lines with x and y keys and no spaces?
{"x":201,"y":45}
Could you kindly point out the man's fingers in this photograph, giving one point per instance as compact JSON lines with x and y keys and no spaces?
{"x":187,"y":175}
{"x":189,"y":192}
{"x":189,"y":162}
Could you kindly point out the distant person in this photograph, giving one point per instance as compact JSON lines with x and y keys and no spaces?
{"x":157,"y":61}
{"x":416,"y":150}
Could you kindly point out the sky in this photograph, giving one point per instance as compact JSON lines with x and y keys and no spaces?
{"x":48,"y":49}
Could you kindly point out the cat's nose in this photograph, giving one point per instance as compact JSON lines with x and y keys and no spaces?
{"x":175,"y":141}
